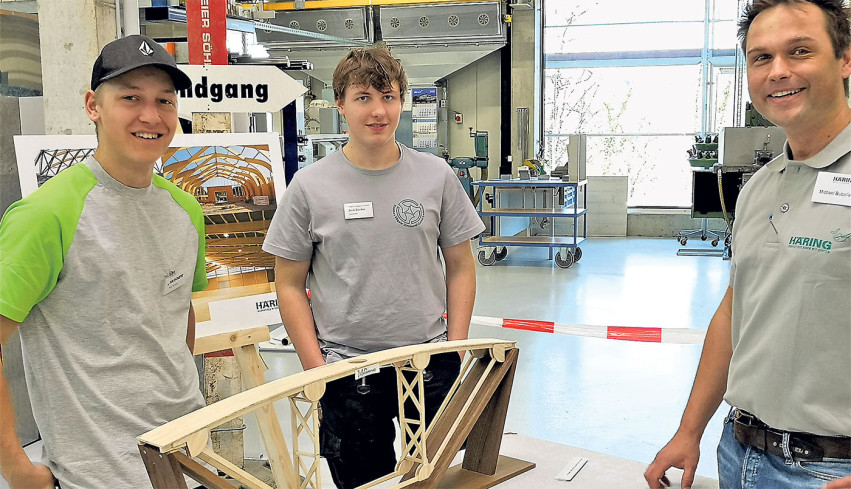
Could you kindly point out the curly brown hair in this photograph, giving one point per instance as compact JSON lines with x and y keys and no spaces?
{"x":374,"y":67}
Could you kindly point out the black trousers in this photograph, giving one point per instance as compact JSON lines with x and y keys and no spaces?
{"x":356,"y":433}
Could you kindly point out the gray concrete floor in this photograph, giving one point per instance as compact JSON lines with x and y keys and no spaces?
{"x":619,"y":398}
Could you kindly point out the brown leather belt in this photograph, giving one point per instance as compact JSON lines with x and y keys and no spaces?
{"x":749,"y":430}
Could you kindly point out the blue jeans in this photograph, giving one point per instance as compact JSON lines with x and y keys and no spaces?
{"x":745,"y":467}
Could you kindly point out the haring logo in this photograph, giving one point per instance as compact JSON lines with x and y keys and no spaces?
{"x":839,"y":236}
{"x":145,"y":49}
{"x":409,"y":213}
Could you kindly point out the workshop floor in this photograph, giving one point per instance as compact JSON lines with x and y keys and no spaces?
{"x":619,"y":398}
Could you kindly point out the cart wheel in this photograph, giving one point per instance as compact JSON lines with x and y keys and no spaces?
{"x":577,"y":254}
{"x":484,"y":260}
{"x":714,"y":242}
{"x":683,"y":240}
{"x":564,"y":262}
{"x":703,"y":237}
{"x":500,"y":254}
{"x":728,"y":241}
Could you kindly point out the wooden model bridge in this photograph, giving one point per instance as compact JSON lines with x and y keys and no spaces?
{"x":474,"y":411}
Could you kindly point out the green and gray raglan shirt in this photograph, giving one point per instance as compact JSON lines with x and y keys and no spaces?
{"x":100,"y":277}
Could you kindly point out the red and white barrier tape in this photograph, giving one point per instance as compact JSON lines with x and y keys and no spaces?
{"x":684,"y":336}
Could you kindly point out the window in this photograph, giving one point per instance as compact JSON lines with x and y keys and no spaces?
{"x":640,"y":79}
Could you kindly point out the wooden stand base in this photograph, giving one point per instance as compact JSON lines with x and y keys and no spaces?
{"x":506,"y":468}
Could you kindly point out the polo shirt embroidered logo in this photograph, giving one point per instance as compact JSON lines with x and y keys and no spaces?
{"x":839,"y":237}
{"x":145,"y":49}
{"x":811,"y":244}
{"x":409,"y":213}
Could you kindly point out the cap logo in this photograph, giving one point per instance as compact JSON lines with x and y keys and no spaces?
{"x":145,"y":49}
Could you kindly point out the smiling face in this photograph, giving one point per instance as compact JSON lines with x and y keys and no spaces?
{"x":794,"y":77}
{"x":136,"y":118}
{"x":372,"y":116}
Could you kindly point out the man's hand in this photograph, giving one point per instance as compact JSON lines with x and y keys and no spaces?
{"x":843,"y":483}
{"x":30,"y":476}
{"x":681,"y":452}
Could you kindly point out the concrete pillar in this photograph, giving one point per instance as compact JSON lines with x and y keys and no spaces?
{"x":222,"y":376}
{"x":13,"y":365}
{"x":72,"y":33}
{"x":523,"y":90}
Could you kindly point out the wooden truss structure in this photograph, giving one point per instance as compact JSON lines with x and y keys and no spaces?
{"x":474,"y":411}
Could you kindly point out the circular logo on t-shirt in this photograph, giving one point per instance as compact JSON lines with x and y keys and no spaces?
{"x":409,"y":213}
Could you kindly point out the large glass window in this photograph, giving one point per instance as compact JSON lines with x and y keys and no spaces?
{"x":640,"y":79}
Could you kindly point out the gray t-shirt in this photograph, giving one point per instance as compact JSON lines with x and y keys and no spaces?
{"x":791,"y":280}
{"x":376,"y":278}
{"x":100,"y":276}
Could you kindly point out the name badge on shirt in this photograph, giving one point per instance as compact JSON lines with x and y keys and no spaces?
{"x":173,"y":280}
{"x":358,"y":210}
{"x":833,"y":188}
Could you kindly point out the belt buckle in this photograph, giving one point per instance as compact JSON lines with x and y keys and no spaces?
{"x":745,"y":418}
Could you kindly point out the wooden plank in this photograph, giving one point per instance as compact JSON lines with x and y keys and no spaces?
{"x":238,"y":227}
{"x":483,"y":443}
{"x":233,"y":292}
{"x":200,"y":473}
{"x":443,"y":424}
{"x":458,"y":478}
{"x":253,"y":375}
{"x":232,"y":470}
{"x":231,"y":241}
{"x":174,"y":435}
{"x":163,"y":469}
{"x":230,"y":340}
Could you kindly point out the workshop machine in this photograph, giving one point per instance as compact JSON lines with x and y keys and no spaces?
{"x":715,"y":189}
{"x":463,"y":164}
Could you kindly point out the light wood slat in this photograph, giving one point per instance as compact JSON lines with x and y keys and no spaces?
{"x":232,"y":470}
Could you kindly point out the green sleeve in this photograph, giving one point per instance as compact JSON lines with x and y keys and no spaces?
{"x":35,"y":235}
{"x":193,"y":208}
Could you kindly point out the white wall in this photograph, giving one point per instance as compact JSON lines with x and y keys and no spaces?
{"x":474,"y":92}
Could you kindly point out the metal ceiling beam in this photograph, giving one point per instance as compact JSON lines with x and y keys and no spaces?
{"x":314,"y":35}
{"x":320,"y":4}
{"x":178,"y":15}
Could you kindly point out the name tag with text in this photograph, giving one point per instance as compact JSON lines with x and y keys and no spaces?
{"x":173,"y":281}
{"x":358,"y":210}
{"x":833,"y":188}
{"x":365,"y":371}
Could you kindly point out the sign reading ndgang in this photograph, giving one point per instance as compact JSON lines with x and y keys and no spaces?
{"x":228,"y":88}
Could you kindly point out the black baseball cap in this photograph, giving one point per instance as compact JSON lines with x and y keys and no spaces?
{"x":131,"y":52}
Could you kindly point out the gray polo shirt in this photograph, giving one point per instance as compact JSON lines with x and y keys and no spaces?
{"x":791,"y":280}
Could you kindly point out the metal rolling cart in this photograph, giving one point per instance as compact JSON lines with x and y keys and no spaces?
{"x":512,"y":221}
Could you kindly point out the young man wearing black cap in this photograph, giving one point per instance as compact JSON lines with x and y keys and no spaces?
{"x":96,"y":271}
